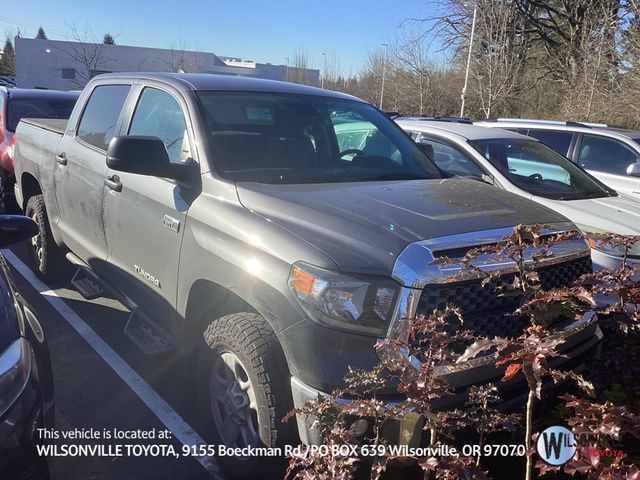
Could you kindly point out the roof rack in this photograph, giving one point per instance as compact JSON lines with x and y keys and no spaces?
{"x":436,"y":119}
{"x":568,"y":123}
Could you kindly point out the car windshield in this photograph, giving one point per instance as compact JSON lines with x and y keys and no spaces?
{"x":539,"y":170}
{"x":20,"y":108}
{"x":284,"y":138}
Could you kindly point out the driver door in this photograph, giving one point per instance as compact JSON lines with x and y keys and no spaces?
{"x":144,"y":216}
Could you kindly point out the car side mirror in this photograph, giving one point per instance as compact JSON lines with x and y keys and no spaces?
{"x":427,"y":149}
{"x":633,"y":170}
{"x":15,"y":228}
{"x":144,"y":155}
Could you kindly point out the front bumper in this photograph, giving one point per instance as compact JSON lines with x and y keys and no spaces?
{"x":583,"y":346}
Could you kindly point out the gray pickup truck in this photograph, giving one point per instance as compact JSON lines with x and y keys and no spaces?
{"x":254,"y":230}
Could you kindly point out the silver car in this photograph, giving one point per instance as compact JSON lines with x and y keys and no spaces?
{"x":609,"y":153}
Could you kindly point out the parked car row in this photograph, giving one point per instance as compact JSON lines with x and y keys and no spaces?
{"x":270,"y":234}
{"x":302,"y":223}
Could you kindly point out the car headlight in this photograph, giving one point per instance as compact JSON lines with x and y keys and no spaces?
{"x":359,"y":304}
{"x":613,"y":249}
{"x":15,"y":368}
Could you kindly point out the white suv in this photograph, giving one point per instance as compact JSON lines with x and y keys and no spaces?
{"x":610,"y":154}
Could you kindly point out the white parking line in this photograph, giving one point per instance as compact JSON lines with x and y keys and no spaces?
{"x":167,"y":415}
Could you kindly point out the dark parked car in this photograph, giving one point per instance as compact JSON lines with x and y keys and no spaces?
{"x":26,"y":388}
{"x":15,"y":104}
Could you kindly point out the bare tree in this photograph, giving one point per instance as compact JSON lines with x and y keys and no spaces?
{"x":299,"y":66}
{"x":180,"y":58}
{"x":87,"y":52}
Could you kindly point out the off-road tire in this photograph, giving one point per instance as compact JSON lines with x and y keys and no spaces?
{"x":52,"y":263}
{"x":251,"y":339}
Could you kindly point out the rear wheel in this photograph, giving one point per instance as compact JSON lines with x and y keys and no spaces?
{"x":8,"y":204}
{"x":244,"y":393}
{"x":47,"y":258}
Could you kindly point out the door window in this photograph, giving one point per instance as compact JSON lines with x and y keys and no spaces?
{"x":158,"y":114}
{"x":606,"y":155}
{"x":98,"y":123}
{"x":559,"y":141}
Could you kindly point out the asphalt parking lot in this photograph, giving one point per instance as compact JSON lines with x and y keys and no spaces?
{"x":102,"y":382}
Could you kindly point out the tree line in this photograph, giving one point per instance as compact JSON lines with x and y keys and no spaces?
{"x":566,"y":59}
{"x":558,"y":59}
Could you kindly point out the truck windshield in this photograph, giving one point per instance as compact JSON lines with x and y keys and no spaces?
{"x":283,"y":138}
{"x":539,"y":170}
{"x":20,"y":108}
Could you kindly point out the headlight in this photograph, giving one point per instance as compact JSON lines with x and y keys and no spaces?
{"x":355,"y":303}
{"x":15,"y":368}
{"x":615,"y":250}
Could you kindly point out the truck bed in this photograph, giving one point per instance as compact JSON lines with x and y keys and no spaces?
{"x":55,"y":125}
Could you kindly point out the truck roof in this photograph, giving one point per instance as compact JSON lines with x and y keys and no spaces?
{"x":206,"y":81}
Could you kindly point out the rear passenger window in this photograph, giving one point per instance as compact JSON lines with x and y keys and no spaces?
{"x":559,"y":141}
{"x":158,"y":114}
{"x":606,"y":155}
{"x":100,"y":116}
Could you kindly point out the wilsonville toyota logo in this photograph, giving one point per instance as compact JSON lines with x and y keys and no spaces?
{"x":556,"y":445}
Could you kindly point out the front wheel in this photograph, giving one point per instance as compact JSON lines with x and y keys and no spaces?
{"x":244,"y":393}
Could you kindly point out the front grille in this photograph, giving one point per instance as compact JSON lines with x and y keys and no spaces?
{"x":487,"y":314}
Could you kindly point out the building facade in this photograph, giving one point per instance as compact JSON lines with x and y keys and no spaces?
{"x":62,"y":65}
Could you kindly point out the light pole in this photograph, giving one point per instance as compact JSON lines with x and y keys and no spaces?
{"x":324,"y":69}
{"x":287,"y":59}
{"x":384,"y":67}
{"x":466,"y":75}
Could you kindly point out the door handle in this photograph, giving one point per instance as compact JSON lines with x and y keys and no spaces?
{"x":114,"y":183}
{"x":61,"y":158}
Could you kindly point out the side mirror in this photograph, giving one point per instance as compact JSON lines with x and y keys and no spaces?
{"x":427,"y":149}
{"x":633,"y":170}
{"x":15,"y":228}
{"x":144,"y":156}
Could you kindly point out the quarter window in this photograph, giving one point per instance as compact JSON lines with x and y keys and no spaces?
{"x":606,"y":155}
{"x":158,"y":114}
{"x":100,"y":116}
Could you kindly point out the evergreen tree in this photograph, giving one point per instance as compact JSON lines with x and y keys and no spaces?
{"x":108,"y":39}
{"x":41,"y":35}
{"x":8,"y":60}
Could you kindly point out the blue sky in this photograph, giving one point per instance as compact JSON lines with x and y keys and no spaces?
{"x":264,"y":31}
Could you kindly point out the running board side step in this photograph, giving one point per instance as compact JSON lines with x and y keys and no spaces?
{"x":146,"y":335}
{"x":87,"y":284}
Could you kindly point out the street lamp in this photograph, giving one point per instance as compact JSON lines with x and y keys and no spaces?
{"x":384,"y":67}
{"x":466,"y":75}
{"x":324,"y":69}
{"x":287,"y":59}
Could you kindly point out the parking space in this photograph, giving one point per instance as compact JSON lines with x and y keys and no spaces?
{"x":102,"y":382}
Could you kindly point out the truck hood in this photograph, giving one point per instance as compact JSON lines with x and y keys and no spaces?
{"x":363,"y":227}
{"x":619,"y":214}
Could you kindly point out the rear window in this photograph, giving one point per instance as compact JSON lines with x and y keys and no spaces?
{"x":20,"y":108}
{"x":101,"y":114}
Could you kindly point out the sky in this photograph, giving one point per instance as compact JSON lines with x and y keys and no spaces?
{"x":263,"y":31}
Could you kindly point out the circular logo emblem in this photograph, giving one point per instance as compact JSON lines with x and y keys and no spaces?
{"x":556,"y":445}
